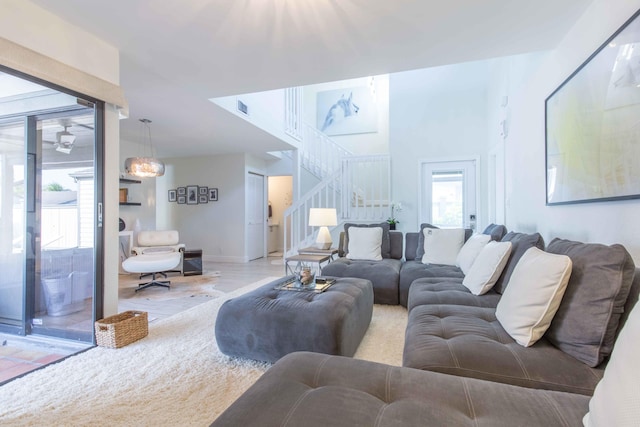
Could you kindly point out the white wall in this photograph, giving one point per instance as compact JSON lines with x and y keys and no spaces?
{"x":358,"y":144}
{"x":605,"y":222}
{"x":435,"y":113}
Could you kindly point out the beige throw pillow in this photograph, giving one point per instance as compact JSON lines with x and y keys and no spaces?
{"x":442,"y":245}
{"x":365,"y":243}
{"x":487,"y":267}
{"x":470,"y":251}
{"x":533,"y":296}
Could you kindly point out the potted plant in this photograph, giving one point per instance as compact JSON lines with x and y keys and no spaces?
{"x":392,"y":220}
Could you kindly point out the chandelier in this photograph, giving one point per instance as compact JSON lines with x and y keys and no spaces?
{"x":145,"y":167}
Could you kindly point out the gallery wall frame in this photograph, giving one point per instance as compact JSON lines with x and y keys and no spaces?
{"x":172,"y":195}
{"x":592,"y":125}
{"x":193,"y":195}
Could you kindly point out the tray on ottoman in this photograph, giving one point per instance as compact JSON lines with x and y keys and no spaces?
{"x":268,"y":323}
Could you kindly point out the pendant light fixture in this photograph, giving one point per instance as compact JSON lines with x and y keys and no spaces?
{"x":145,"y":167}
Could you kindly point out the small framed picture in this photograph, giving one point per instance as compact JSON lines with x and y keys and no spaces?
{"x":203,"y":191}
{"x":182,"y":191}
{"x":213,"y":194}
{"x":172,"y":195}
{"x":182,"y":200}
{"x":192,"y":194}
{"x":203,"y":199}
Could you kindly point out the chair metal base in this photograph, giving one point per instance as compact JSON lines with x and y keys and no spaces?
{"x":154,"y":282}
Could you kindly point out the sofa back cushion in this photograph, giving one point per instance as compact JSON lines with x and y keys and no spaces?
{"x":495,"y":231}
{"x":537,"y":286}
{"x":420,"y":248}
{"x":520,"y":243}
{"x":587,"y":321}
{"x":386,"y":243}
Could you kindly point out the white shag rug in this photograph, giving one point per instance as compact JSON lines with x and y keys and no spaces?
{"x":174,"y":376}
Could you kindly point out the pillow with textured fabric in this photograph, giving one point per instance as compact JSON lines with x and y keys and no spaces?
{"x":487,"y":267}
{"x":441,"y":246}
{"x":520,"y":243}
{"x":587,"y":320}
{"x":420,"y":248}
{"x":386,"y":240}
{"x":470,"y":251}
{"x":533,"y":296}
{"x":365,"y":243}
{"x":616,"y":399}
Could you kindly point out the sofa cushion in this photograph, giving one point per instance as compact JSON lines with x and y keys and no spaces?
{"x":487,"y":267}
{"x":441,"y":246}
{"x":420,"y":248}
{"x":386,"y":244}
{"x":412,"y":270}
{"x":495,"y":231}
{"x":470,"y":251}
{"x":520,"y":243}
{"x":365,"y":243}
{"x":536,"y":288}
{"x":587,"y":320}
{"x":309,"y":389}
{"x":384,"y":275}
{"x":470,"y":342}
{"x":616,"y":401}
{"x":447,"y":290}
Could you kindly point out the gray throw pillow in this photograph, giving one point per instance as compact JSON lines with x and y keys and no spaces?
{"x":386,"y":242}
{"x":586,"y":322}
{"x":496,"y":231}
{"x":420,"y":249}
{"x":520,"y":242}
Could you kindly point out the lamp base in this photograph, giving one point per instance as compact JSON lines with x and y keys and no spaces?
{"x":323,"y":241}
{"x":323,"y":245}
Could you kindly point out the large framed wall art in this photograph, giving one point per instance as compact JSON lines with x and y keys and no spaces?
{"x":593,"y":125}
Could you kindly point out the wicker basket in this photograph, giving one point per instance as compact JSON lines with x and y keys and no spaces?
{"x":122,"y":329}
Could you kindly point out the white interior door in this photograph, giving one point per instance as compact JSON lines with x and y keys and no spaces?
{"x":448,"y":194}
{"x":255,"y":216}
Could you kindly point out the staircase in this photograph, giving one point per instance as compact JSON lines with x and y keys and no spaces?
{"x":358,"y":187}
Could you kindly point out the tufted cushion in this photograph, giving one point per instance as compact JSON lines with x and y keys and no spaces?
{"x":595,"y":297}
{"x":386,"y":243}
{"x":469,"y":341}
{"x":313,"y":390}
{"x":412,"y":270}
{"x":520,"y":242}
{"x":158,"y":238}
{"x":383,"y":274}
{"x":442,"y":290}
{"x":266,"y":324}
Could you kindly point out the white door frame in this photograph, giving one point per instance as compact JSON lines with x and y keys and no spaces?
{"x":421,"y":189}
{"x":264,"y":214}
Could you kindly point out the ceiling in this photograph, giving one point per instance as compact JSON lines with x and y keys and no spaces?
{"x":174,"y":56}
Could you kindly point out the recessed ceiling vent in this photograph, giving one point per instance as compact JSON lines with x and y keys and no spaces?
{"x":243,"y":108}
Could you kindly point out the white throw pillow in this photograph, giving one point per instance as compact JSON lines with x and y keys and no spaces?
{"x":470,"y":251}
{"x":442,"y":245}
{"x":487,"y":267}
{"x":616,"y":400}
{"x":365,"y":243}
{"x":535,"y":290}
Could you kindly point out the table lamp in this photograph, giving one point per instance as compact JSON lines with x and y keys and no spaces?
{"x":322,"y":217}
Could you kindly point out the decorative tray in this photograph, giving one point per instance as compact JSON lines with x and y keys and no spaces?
{"x":320,"y":284}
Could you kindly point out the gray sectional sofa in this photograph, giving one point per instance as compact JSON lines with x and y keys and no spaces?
{"x":461,"y":367}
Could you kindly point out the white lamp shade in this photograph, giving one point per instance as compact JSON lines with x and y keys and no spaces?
{"x":323,"y":217}
{"x":319,"y":217}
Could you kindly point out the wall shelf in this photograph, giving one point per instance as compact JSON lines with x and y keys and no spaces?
{"x":130,"y":204}
{"x":130,"y":181}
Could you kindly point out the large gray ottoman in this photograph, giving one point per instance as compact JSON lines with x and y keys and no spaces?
{"x":267,"y":323}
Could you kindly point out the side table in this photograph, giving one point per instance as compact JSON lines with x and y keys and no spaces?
{"x":192,"y":262}
{"x":311,"y":250}
{"x":302,"y":258}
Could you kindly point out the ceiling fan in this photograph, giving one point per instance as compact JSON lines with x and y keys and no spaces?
{"x":64,"y":141}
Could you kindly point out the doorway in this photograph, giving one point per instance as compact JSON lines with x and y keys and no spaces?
{"x":49,"y":197}
{"x":256,"y":208}
{"x":448,"y":194}
{"x":279,"y":195}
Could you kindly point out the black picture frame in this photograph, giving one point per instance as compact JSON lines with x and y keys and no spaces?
{"x":213,"y":194}
{"x":192,"y":194}
{"x":182,"y":200}
{"x":182,"y":191}
{"x":172,"y":195}
{"x":203,"y":199}
{"x":589,"y":121}
{"x":203,"y":191}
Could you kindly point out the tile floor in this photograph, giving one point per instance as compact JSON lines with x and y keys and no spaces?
{"x":20,"y":355}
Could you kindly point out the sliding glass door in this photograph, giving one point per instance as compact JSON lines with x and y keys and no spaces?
{"x":50,"y":240}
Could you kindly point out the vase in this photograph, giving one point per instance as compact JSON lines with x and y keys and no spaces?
{"x":392,"y":226}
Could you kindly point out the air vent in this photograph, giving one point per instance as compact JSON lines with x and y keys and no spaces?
{"x":243,"y":108}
